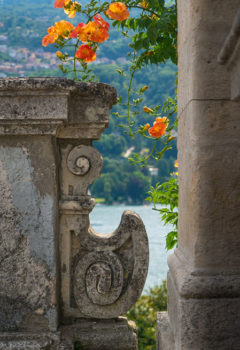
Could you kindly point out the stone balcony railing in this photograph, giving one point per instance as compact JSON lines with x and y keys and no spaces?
{"x":60,"y":280}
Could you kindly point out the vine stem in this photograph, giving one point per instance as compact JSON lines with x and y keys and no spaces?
{"x":149,"y":155}
{"x":74,"y":60}
{"x":153,"y":149}
{"x":147,"y":10}
{"x":128,"y":100}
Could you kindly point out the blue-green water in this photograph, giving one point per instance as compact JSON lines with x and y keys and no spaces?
{"x":106,"y":219}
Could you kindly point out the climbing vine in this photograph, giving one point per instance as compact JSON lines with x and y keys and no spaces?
{"x":151,"y":28}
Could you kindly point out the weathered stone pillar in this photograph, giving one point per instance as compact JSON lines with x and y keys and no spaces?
{"x":204,"y":276}
{"x":61,"y":281}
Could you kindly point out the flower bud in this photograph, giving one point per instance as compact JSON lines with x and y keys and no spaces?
{"x":147,"y":109}
{"x":59,"y":55}
{"x":144,"y":88}
{"x":146,"y":126}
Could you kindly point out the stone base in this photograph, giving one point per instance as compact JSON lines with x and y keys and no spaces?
{"x":165,"y":339}
{"x":31,"y":341}
{"x":117,"y":334}
{"x":203,"y":307}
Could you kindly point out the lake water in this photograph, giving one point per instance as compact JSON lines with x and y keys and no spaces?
{"x":106,"y":219}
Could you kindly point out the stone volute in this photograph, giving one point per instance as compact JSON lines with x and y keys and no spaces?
{"x":61,"y":280}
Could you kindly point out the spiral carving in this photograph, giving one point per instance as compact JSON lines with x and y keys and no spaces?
{"x":98,"y":280}
{"x":83,"y":166}
{"x":109,"y":279}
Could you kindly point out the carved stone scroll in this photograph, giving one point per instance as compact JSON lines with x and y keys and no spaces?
{"x":102,"y":275}
{"x":122,"y":274}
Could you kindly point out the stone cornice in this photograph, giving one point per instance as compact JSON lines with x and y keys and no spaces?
{"x":55,"y":106}
{"x":105,"y":91}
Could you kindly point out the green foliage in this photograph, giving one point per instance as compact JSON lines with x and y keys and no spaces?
{"x":144,"y":314}
{"x":155,"y":29}
{"x":121,"y":182}
{"x":166,"y":194}
{"x":165,"y":167}
{"x":161,"y":144}
{"x":137,"y":186}
{"x":77,"y":346}
{"x":112,"y":144}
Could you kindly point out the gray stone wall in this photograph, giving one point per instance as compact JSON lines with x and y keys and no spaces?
{"x":28,"y":233}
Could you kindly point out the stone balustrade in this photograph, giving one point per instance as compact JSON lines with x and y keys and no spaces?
{"x":60,"y":280}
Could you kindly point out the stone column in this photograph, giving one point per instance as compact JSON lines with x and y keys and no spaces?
{"x":204,"y":276}
{"x":61,"y":281}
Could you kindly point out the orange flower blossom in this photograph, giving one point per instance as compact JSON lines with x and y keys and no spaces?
{"x":86,"y":53}
{"x":51,"y":37}
{"x":70,"y":10}
{"x":76,"y":30}
{"x":96,"y":31}
{"x":59,"y":4}
{"x":64,"y":28}
{"x":159,"y":127}
{"x":103,"y":24}
{"x":118,"y":11}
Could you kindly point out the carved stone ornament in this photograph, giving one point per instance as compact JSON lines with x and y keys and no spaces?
{"x":109,"y":279}
{"x":78,"y":163}
{"x":102,"y":275}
